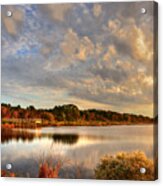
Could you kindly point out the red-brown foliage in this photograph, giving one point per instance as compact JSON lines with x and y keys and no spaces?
{"x":7,"y":174}
{"x":47,"y":171}
{"x":8,"y":126}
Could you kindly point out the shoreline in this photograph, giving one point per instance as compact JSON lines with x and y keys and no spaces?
{"x":70,"y":124}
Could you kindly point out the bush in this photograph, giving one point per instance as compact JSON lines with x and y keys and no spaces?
{"x":125,"y":166}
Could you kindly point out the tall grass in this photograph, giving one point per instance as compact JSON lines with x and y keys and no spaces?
{"x":47,"y":171}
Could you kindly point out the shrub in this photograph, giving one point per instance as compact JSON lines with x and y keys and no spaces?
{"x":125,"y":166}
{"x":47,"y":171}
{"x":7,"y":174}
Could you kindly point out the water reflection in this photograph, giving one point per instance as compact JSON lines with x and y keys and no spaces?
{"x":27,"y":136}
{"x":65,"y":138}
{"x":8,"y":135}
{"x":80,"y":144}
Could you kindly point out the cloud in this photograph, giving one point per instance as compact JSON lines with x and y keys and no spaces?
{"x":140,"y":42}
{"x":77,"y":48}
{"x":86,"y":49}
{"x":114,"y":25}
{"x":97,"y":10}
{"x":12,"y":24}
{"x":70,"y":43}
{"x":58,"y":11}
{"x":111,"y":52}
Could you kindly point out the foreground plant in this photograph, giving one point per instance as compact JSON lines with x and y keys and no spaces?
{"x":47,"y":171}
{"x":125,"y":166}
{"x":7,"y":174}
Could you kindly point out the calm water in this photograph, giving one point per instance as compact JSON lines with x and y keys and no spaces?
{"x":81,"y":146}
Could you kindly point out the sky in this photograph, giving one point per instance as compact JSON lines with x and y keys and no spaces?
{"x":91,"y":55}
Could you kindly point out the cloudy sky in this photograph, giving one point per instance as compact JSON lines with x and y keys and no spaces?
{"x":92,"y":55}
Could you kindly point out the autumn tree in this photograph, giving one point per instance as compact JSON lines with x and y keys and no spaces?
{"x":47,"y":116}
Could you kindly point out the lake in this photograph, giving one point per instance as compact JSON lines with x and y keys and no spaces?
{"x":76,"y":147}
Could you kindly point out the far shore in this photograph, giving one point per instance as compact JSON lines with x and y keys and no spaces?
{"x":71,"y":124}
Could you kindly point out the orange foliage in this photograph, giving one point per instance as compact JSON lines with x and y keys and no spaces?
{"x":8,"y":126}
{"x":7,"y":174}
{"x":46,"y":171}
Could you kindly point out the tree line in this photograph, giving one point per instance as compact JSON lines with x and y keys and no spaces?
{"x":69,"y":112}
